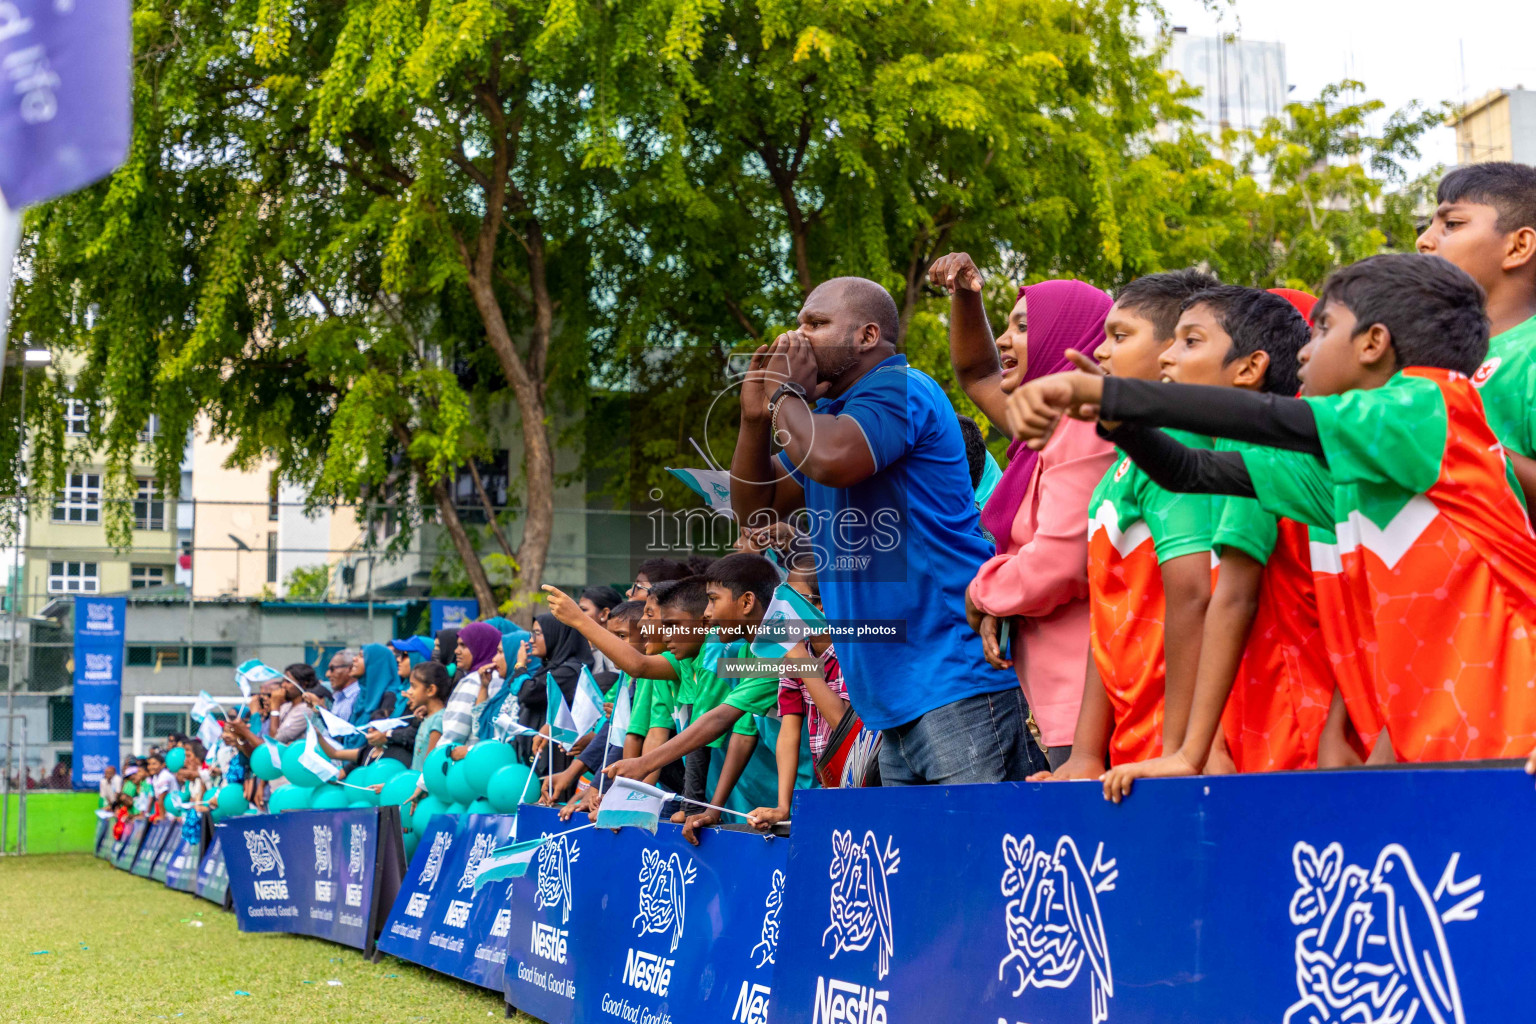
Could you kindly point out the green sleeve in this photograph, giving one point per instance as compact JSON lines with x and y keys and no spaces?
{"x":1180,"y":523}
{"x":640,"y":709}
{"x":1394,"y":434}
{"x":756,"y":695}
{"x":1291,"y":484}
{"x":746,"y":725}
{"x":1241,"y":523}
{"x":663,"y":700}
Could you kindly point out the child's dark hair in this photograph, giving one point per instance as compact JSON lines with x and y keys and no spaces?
{"x":303,"y":674}
{"x":627,"y":610}
{"x":698,"y":565}
{"x":1258,"y":321}
{"x":975,"y":449}
{"x":1160,"y":297}
{"x":602,"y":597}
{"x":435,"y":678}
{"x":686,"y":595}
{"x":745,"y":572}
{"x":1508,"y":188}
{"x":658,"y":570}
{"x":1432,"y":308}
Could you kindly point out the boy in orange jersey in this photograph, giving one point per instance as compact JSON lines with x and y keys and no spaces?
{"x":1390,"y":446}
{"x":1149,"y":564}
{"x":1264,"y":686}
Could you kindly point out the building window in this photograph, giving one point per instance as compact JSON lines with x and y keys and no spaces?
{"x":72,"y":578}
{"x":61,"y":719}
{"x":151,"y":429}
{"x":77,"y":419}
{"x":146,"y":655}
{"x":272,"y":497}
{"x":149,"y":506}
{"x":272,"y":556}
{"x":141,"y":576}
{"x":81,"y":500}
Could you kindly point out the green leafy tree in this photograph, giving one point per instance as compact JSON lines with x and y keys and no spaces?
{"x":308,"y":583}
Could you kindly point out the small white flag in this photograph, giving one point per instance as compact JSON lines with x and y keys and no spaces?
{"x":562,"y":727}
{"x":587,"y":711}
{"x":633,"y":804}
{"x":386,"y":724}
{"x":789,"y":620}
{"x":204,"y":706}
{"x":337,"y":726}
{"x":622,"y":712}
{"x":713,"y":485}
{"x":211,"y":732}
{"x":254,"y":673}
{"x":315,"y":761}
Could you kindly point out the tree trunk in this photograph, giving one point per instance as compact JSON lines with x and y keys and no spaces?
{"x":465,"y":548}
{"x":490,"y":511}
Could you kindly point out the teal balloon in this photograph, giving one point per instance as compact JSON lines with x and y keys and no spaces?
{"x":459,"y":787}
{"x":232,"y":802}
{"x":481,"y":806}
{"x":399,"y":789}
{"x":426,"y":807}
{"x":362,"y":776}
{"x":290,"y":798}
{"x":508,"y":786}
{"x":331,"y":798}
{"x":293,"y":771}
{"x":435,"y":773}
{"x":457,"y":810}
{"x":176,"y":759}
{"x":173,"y":805}
{"x":411,"y":839}
{"x":262,"y":763}
{"x":385,"y":769}
{"x":362,"y":798}
{"x":484,"y":760}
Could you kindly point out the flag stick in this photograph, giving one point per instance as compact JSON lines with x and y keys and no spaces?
{"x":713,"y":807}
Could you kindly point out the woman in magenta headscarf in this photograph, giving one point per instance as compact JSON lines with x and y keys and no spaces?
{"x":1033,"y":594}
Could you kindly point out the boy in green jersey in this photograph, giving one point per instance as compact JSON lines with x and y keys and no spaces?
{"x":1486,"y":225}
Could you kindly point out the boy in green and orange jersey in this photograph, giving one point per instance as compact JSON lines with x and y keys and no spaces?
{"x":1149,"y":577}
{"x":1263,"y":685}
{"x":1435,"y":554}
{"x":1485,"y":223}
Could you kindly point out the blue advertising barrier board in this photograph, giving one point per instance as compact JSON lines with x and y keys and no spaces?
{"x":181,"y":868}
{"x":629,"y":927}
{"x":168,"y":849}
{"x":212,"y":882}
{"x":1300,"y":898}
{"x":303,"y":872}
{"x":103,"y":836}
{"x":438,"y":920}
{"x":98,"y":680}
{"x":154,"y":840}
{"x":126,"y":849}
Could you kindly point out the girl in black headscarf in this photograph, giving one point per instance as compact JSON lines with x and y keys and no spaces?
{"x":564,"y":652}
{"x":443,"y":651}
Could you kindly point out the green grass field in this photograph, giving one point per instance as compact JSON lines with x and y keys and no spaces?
{"x":127,"y":949}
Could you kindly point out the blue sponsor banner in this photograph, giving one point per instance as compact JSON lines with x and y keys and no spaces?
{"x":552,"y":910}
{"x":103,"y":835}
{"x":64,"y":112}
{"x":181,"y":870}
{"x":438,"y":920}
{"x":626,"y":926}
{"x":453,"y":612}
{"x":127,"y":848}
{"x":98,"y":683}
{"x":303,"y":872}
{"x":212,"y":876}
{"x":154,"y":841}
{"x":1308,"y":897}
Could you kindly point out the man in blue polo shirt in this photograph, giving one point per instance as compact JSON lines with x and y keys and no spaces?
{"x":879,"y":469}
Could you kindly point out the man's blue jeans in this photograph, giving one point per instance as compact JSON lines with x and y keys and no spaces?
{"x":977,"y":739}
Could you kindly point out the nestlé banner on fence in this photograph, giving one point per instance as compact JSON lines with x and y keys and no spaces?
{"x":98,"y":680}
{"x":181,"y":870}
{"x":212,"y":882}
{"x":1326,"y":897}
{"x":303,"y":872}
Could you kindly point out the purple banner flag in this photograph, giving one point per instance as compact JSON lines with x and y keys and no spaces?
{"x":64,"y":95}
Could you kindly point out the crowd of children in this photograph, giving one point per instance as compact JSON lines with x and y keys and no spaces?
{"x":1308,"y":547}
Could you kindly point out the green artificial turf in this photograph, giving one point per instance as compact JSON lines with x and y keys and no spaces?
{"x":121,"y":948}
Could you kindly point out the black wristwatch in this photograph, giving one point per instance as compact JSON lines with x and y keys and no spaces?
{"x":791,"y":387}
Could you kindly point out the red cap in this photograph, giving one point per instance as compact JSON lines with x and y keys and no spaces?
{"x":1301,"y":300}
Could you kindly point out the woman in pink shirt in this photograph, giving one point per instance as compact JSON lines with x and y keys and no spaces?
{"x":1035,"y":590}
